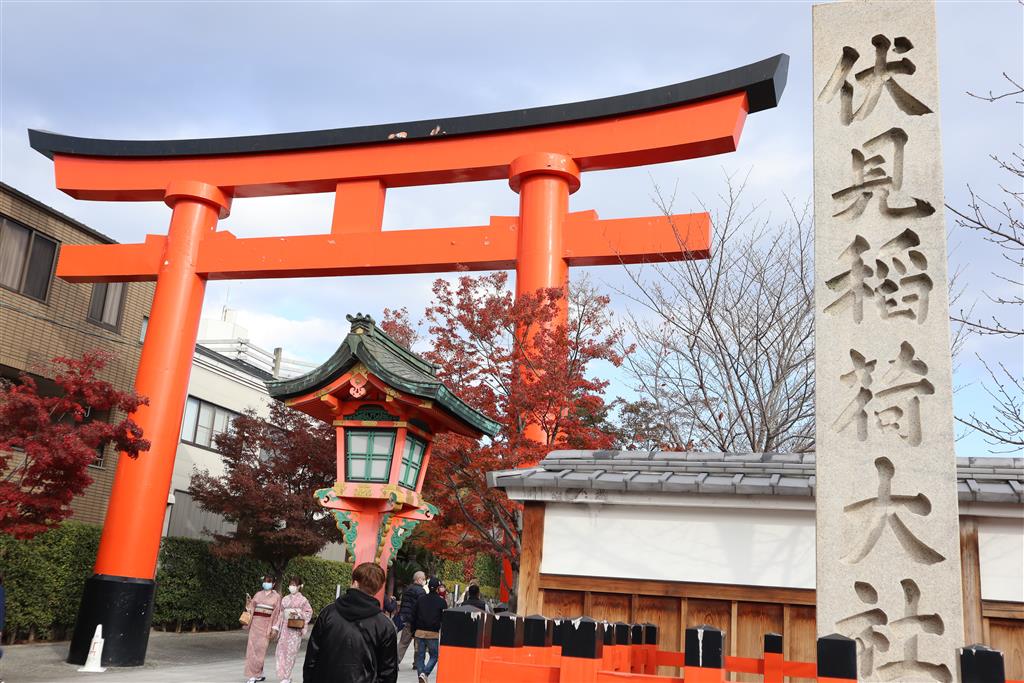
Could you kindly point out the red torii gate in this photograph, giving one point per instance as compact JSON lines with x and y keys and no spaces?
{"x":540,"y":151}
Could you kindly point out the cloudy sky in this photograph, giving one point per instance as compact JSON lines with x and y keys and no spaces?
{"x":206,"y":69}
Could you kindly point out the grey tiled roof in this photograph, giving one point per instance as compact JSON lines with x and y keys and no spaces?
{"x":989,"y":479}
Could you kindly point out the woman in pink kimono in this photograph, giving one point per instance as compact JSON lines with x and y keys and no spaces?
{"x":265,"y":610}
{"x":293,"y":606}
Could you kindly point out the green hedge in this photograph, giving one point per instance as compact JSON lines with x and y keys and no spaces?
{"x":44,"y":578}
{"x":320,"y":578}
{"x":487,"y":570}
{"x":195,"y":589}
{"x":198,"y":590}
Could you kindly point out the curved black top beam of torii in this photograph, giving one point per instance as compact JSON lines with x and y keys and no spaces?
{"x":762,"y":81}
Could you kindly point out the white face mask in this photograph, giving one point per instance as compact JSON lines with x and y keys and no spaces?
{"x":293,"y":589}
{"x":267,"y":585}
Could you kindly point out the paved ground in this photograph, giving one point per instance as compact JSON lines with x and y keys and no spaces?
{"x":171,"y":658}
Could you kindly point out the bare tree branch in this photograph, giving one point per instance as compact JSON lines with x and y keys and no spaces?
{"x":724,"y":355}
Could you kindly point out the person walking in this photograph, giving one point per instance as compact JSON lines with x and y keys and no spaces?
{"x":264,"y":609}
{"x":409,"y":597}
{"x":352,"y":640}
{"x":472,"y":598}
{"x":426,"y":623}
{"x":292,"y":625}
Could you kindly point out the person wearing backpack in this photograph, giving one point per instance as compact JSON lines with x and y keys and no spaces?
{"x":353,"y":641}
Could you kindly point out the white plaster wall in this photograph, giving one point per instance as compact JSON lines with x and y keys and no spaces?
{"x":747,"y":546}
{"x":763,"y":547}
{"x":228,"y":388}
{"x":1001,"y":550}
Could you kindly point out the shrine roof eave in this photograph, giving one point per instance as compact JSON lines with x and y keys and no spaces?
{"x":392,"y":364}
{"x":991,"y":480}
{"x":763,"y":82}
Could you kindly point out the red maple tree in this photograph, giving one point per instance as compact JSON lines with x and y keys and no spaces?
{"x":48,"y":442}
{"x":271,"y":468}
{"x":508,"y":358}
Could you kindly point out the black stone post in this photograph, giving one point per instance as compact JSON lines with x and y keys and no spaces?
{"x":609,"y":633}
{"x":124,"y":607}
{"x":558,"y":632}
{"x":704,"y":647}
{"x":537,"y":631}
{"x":583,"y":639}
{"x":466,"y":627}
{"x":837,"y":657}
{"x":981,"y":664}
{"x":508,"y":630}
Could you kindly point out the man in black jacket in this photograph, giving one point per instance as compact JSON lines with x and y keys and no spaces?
{"x":409,"y":597}
{"x":472,"y":598}
{"x":352,"y":640}
{"x":426,"y":624}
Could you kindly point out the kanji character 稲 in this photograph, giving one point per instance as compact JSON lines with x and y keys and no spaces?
{"x":904,"y":285}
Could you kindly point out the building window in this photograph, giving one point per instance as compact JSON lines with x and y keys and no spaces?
{"x":106,"y":303}
{"x":368,"y":454}
{"x":203,"y":421}
{"x":412,"y":461}
{"x":100,"y":458}
{"x":26,"y":260}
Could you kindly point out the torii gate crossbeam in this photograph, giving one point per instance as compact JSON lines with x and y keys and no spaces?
{"x":541,"y":152}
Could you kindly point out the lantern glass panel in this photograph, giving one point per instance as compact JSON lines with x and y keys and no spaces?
{"x":383,"y":443}
{"x":356,"y":469}
{"x":368,"y":454}
{"x":412,"y":461}
{"x":358,"y":442}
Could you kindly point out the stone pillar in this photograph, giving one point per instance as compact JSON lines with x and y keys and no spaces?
{"x":888,"y":561}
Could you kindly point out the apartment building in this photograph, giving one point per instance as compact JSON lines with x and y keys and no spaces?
{"x":42,"y":317}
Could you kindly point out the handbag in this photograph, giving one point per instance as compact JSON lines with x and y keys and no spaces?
{"x":296,"y":623}
{"x":245,"y":618}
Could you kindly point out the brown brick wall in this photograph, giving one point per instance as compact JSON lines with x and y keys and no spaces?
{"x":33,"y":332}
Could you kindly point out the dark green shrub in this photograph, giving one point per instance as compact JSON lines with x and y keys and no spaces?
{"x":196,"y":590}
{"x":44,"y":578}
{"x":487,"y":570}
{"x":321,"y":578}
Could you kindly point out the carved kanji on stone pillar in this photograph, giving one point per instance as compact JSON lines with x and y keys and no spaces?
{"x":887,"y":524}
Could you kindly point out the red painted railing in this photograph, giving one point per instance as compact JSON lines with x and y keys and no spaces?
{"x":479,"y":648}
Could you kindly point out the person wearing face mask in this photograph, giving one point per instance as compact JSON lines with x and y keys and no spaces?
{"x":264,"y":612}
{"x":295,"y":608}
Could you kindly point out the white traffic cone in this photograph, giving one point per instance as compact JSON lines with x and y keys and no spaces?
{"x":92,"y":662}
